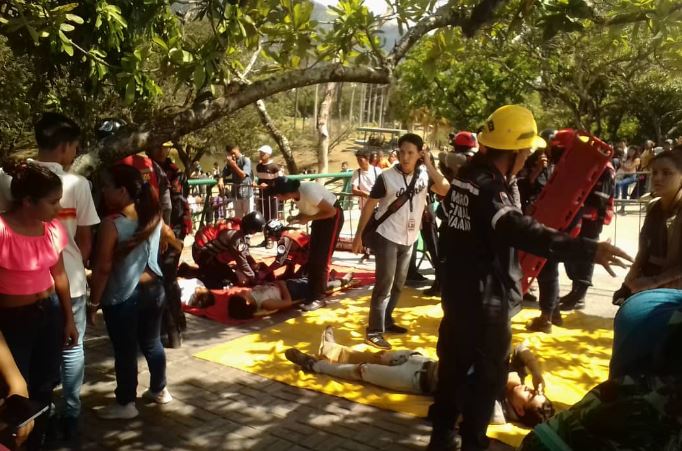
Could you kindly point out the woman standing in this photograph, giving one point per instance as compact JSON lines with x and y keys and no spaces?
{"x":127,"y":283}
{"x":626,"y":174}
{"x":317,"y":205}
{"x":35,"y":300}
{"x":659,"y":260}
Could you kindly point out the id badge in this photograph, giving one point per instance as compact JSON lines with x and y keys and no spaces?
{"x":411,"y":225}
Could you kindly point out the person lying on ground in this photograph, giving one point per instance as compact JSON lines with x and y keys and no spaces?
{"x":411,"y":372}
{"x":245,"y":303}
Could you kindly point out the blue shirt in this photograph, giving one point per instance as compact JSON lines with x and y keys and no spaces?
{"x":125,"y":274}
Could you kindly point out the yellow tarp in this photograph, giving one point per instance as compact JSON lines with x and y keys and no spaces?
{"x":574,"y":358}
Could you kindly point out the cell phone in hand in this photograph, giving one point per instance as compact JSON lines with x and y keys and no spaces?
{"x":17,"y":411}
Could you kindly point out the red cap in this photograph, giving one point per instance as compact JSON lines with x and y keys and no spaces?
{"x":466,"y":139}
{"x":563,"y":138}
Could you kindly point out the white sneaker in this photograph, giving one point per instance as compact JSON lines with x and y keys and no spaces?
{"x":117,"y":411}
{"x":162,"y":397}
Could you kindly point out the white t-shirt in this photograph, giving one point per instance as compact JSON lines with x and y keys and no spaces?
{"x":188,"y":288}
{"x":78,"y":209}
{"x":311,"y":195}
{"x":365,"y":180}
{"x":403,"y":226}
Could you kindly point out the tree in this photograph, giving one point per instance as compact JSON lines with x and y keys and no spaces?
{"x":129,"y":47}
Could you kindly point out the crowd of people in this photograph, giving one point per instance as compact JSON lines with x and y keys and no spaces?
{"x":472,"y":207}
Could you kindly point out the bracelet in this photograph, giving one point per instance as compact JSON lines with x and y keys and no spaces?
{"x":89,"y":304}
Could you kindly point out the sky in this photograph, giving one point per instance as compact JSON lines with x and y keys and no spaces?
{"x":376,"y":6}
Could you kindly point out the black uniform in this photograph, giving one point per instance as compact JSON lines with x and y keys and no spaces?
{"x":597,"y":206}
{"x":480,"y":289}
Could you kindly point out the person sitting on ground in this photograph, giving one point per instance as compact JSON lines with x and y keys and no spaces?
{"x":217,"y":245}
{"x":659,"y":260}
{"x":410,"y":372}
{"x":245,"y":303}
{"x":638,"y":407}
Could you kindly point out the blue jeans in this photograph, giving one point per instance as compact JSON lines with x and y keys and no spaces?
{"x":137,"y":321}
{"x":73,"y":363}
{"x":392,"y":263}
{"x":623,"y":184}
{"x":35,"y":336}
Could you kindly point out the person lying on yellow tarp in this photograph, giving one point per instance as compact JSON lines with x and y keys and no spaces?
{"x":410,"y":372}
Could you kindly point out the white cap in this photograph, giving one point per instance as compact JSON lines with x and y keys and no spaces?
{"x":265,"y":149}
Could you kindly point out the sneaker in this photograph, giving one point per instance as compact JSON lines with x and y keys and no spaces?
{"x":162,"y":397}
{"x":117,"y":411}
{"x":539,"y":324}
{"x":395,"y":329}
{"x":305,"y":361}
{"x":378,"y":341}
{"x":347,"y":279}
{"x":312,"y":306}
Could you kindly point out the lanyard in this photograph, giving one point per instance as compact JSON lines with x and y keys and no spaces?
{"x":407,"y":187}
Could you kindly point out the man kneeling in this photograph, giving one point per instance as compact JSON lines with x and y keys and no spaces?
{"x":410,"y":372}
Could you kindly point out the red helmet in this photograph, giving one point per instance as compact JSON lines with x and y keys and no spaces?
{"x":563,"y":138}
{"x":466,"y":139}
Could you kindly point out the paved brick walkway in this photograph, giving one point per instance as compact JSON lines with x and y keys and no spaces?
{"x":217,"y":407}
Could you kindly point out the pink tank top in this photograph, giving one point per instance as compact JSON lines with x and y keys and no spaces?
{"x":25,"y":261}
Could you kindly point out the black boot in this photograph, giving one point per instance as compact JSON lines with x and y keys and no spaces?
{"x":444,"y":440}
{"x":575,"y":300}
{"x":434,"y":290}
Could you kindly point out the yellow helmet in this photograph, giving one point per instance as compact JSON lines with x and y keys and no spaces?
{"x":511,"y":127}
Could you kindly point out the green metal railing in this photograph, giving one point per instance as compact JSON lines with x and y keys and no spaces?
{"x":334,"y":178}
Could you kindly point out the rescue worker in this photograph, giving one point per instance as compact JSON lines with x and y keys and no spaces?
{"x":481,"y":276}
{"x":216,"y":246}
{"x":597,"y":212}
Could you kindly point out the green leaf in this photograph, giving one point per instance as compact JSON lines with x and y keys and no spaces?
{"x":66,"y":27}
{"x":160,"y":42}
{"x":199,"y":77}
{"x":75,"y":19}
{"x":130,"y":91}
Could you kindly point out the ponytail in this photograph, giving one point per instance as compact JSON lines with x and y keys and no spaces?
{"x":146,"y":201}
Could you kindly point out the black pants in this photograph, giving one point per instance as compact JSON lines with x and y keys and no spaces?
{"x":581,"y":272}
{"x":548,"y":283}
{"x":464,"y":342}
{"x":35,"y":336}
{"x":324,"y":233}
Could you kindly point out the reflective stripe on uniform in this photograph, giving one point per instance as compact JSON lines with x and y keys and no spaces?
{"x":501,"y":212}
{"x":602,"y":195}
{"x":465,"y":186}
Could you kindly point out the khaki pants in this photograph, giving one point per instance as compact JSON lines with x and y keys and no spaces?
{"x":395,"y":370}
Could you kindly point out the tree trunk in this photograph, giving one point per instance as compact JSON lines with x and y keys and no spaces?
{"x":295,"y":107}
{"x":352,"y":100}
{"x":317,"y":88}
{"x":278,"y":136}
{"x":381,"y":108}
{"x":361,"y":105}
{"x":323,"y":129}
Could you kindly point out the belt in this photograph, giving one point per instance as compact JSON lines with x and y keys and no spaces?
{"x":424,"y":379}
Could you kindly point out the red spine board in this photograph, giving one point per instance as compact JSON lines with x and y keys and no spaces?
{"x":562,"y":198}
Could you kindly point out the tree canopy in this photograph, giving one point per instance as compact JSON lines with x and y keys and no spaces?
{"x":175,"y":67}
